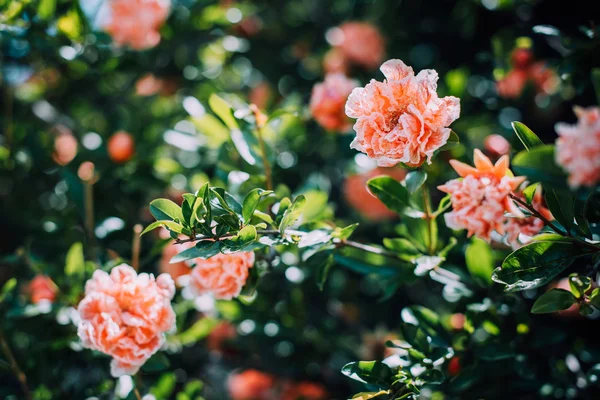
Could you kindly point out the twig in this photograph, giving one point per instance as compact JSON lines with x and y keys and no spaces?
{"x":136,"y":246}
{"x":15,"y":366}
{"x":430,"y":220}
{"x":538,"y":215}
{"x":263,"y":149}
{"x":89,"y":217}
{"x":137,"y":382}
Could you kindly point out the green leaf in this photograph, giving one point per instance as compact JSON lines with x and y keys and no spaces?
{"x":581,"y":211}
{"x":536,"y":264}
{"x":374,"y":372}
{"x":344,"y":233}
{"x":432,"y":376}
{"x":561,"y":205}
{"x":390,"y":192}
{"x":416,"y":337}
{"x":579,"y":285}
{"x":430,"y":322}
{"x":405,"y":249}
{"x":414,"y":180}
{"x":369,"y":395}
{"x":595,"y":298}
{"x":251,"y":202}
{"x":75,"y":263}
{"x":158,"y":362}
{"x":7,"y":288}
{"x":526,"y":136}
{"x":165,"y":209}
{"x":223,"y":110}
{"x":596,"y":82}
{"x":452,"y":142}
{"x":323,"y":261}
{"x":46,"y":9}
{"x":529,"y":192}
{"x":172,"y":226}
{"x":203,"y":249}
{"x":165,"y":386}
{"x":480,"y":261}
{"x":292,"y":213}
{"x":198,"y":331}
{"x":244,"y":237}
{"x":539,"y":166}
{"x":553,"y":300}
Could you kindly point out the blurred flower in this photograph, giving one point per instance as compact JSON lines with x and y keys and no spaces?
{"x":136,"y":23}
{"x":457,"y":321}
{"x":303,"y":391}
{"x":401,"y":119}
{"x":520,"y":230}
{"x":496,"y":146}
{"x":125,"y":315}
{"x":87,"y":171}
{"x":335,"y":62}
{"x":578,"y":147}
{"x":374,"y":347}
{"x":121,"y":147}
{"x":521,"y":58}
{"x":512,"y":85}
{"x":328,"y":100}
{"x":42,"y":289}
{"x":249,"y":26}
{"x":223,"y":275}
{"x":358,"y":196}
{"x":360,"y":42}
{"x":220,"y":336}
{"x":251,"y":385}
{"x":149,"y":85}
{"x":65,"y":146}
{"x":260,"y":95}
{"x":454,"y":366}
{"x":545,"y":78}
{"x":481,"y":197}
{"x":175,"y":270}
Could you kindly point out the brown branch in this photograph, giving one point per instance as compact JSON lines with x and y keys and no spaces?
{"x":14,"y":366}
{"x":136,"y":246}
{"x":537,"y":214}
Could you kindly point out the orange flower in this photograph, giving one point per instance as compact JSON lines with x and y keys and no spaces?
{"x":520,"y":230}
{"x":511,"y":86}
{"x":401,"y":119}
{"x":328,"y":100}
{"x":251,"y":385}
{"x":223,"y":275}
{"x":42,"y":289}
{"x":481,"y":197}
{"x":125,"y":315}
{"x":358,"y":196}
{"x":360,"y":42}
{"x":175,"y":270}
{"x":578,"y":147}
{"x":303,"y":391}
{"x":65,"y":146}
{"x":135,"y":23}
{"x":220,"y":335}
{"x":545,"y":79}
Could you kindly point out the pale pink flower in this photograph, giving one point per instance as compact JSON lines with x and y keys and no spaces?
{"x":496,"y":145}
{"x":223,"y":275}
{"x":328,"y":100}
{"x":251,"y":385}
{"x":578,"y":147}
{"x":520,"y":230}
{"x":361,"y":43}
{"x":401,"y":119}
{"x":481,"y":197}
{"x":136,"y":23}
{"x":126,"y":315}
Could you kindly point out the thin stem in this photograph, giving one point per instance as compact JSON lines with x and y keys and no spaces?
{"x":138,"y":396}
{"x":263,"y":149}
{"x":89,"y":217}
{"x":137,"y":382}
{"x":538,"y":215}
{"x":14,"y":366}
{"x":136,"y":246}
{"x":430,"y":220}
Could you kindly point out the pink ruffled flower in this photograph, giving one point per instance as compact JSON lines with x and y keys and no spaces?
{"x":126,"y":315}
{"x":578,"y":147}
{"x":359,"y":197}
{"x":481,"y":197}
{"x":328,"y":100}
{"x":251,"y":385}
{"x":223,"y":275}
{"x":401,"y":119}
{"x":135,"y":23}
{"x":520,"y":230}
{"x":361,"y":43}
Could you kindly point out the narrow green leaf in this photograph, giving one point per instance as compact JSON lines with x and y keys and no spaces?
{"x":561,"y":205}
{"x":390,"y":192}
{"x":344,"y":233}
{"x":223,"y":110}
{"x":322,"y":261}
{"x":203,"y":249}
{"x":251,"y":202}
{"x":165,"y":209}
{"x":553,"y":300}
{"x":526,"y":136}
{"x":46,"y":9}
{"x":529,"y":192}
{"x":198,"y":331}
{"x":7,"y":288}
{"x":374,"y":372}
{"x":172,"y":226}
{"x":292,"y":214}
